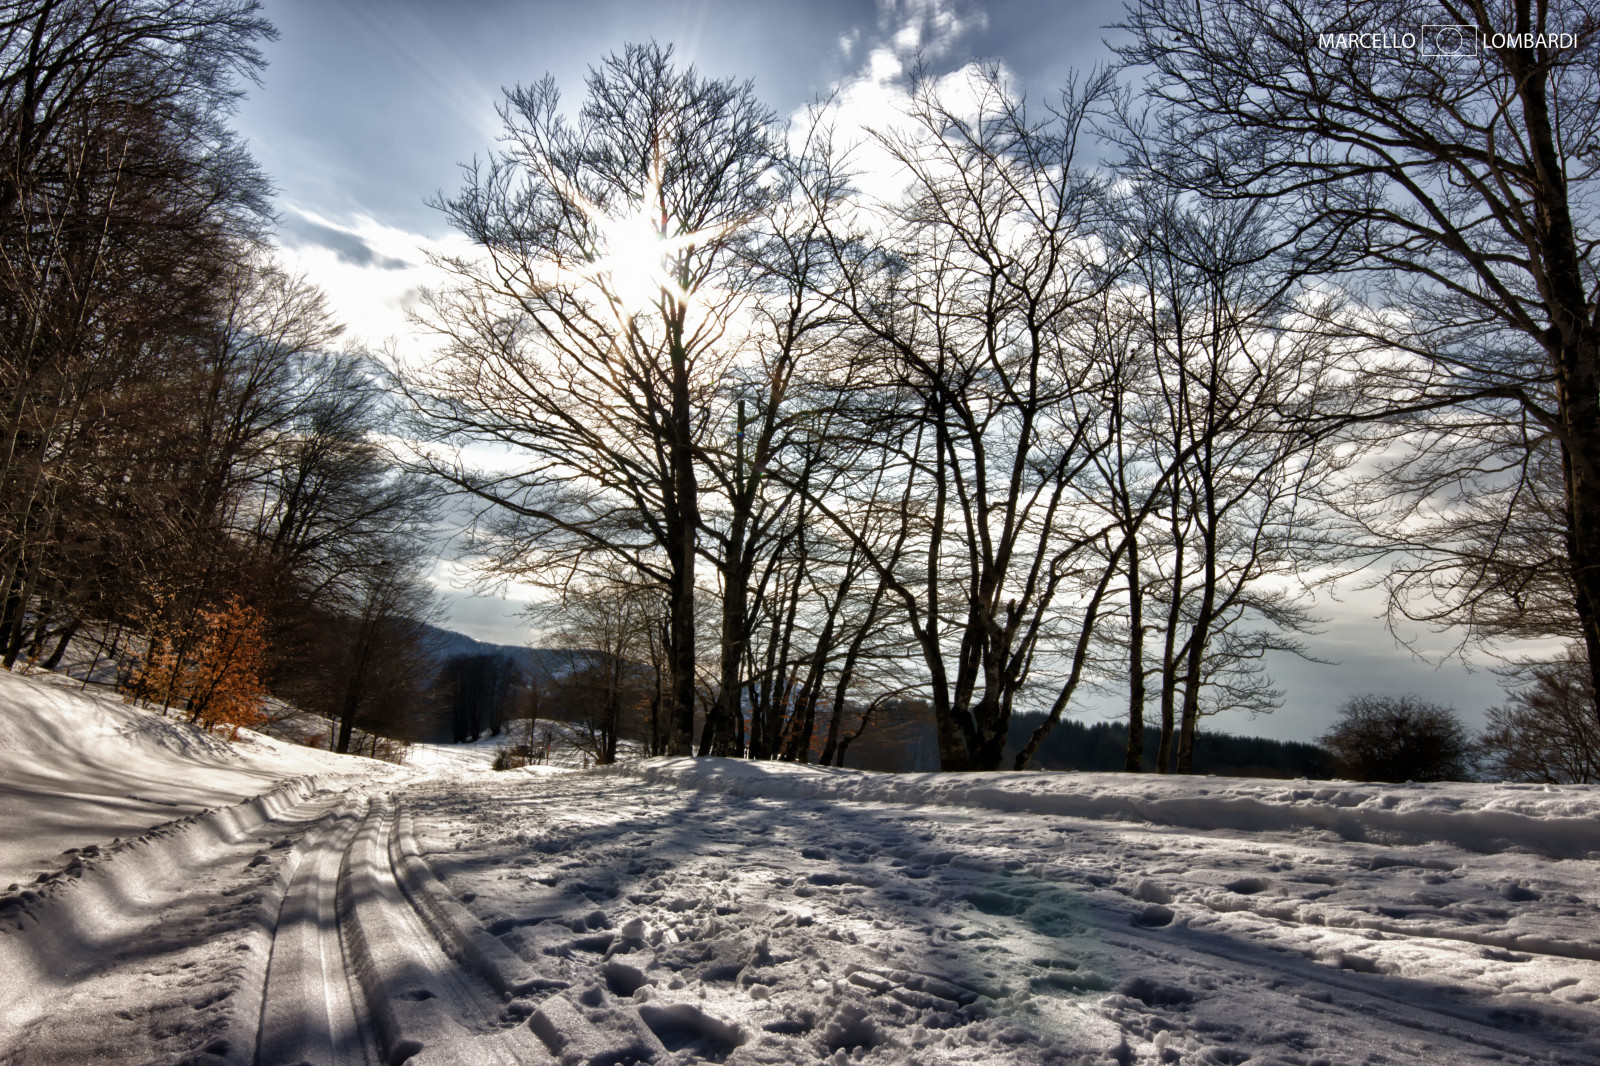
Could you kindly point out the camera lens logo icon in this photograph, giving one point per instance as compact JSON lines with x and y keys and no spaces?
{"x":1447,"y":40}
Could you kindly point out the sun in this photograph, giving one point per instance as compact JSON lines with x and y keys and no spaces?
{"x":631,"y":265}
{"x":633,"y":249}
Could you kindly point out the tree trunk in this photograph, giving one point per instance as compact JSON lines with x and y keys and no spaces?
{"x":1583,"y":538}
{"x":606,"y":750}
{"x":1170,"y":656}
{"x":1080,"y":659}
{"x":1134,"y":762}
{"x":992,"y":720}
{"x":1189,"y":721}
{"x":861,"y":727}
{"x":798,"y":748}
{"x":61,"y":645}
{"x":1574,"y":336}
{"x":353,"y":685}
{"x":1199,"y":637}
{"x":19,"y":619}
{"x":847,"y":671}
{"x":683,"y":521}
{"x":720,"y":724}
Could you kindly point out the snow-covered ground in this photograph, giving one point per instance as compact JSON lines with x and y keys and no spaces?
{"x":83,"y":768}
{"x":558,"y":742}
{"x":479,"y":755}
{"x":678,"y":911}
{"x":799,"y":914}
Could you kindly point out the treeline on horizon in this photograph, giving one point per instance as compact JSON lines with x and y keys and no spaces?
{"x":1103,"y":746}
{"x":1096,"y":391}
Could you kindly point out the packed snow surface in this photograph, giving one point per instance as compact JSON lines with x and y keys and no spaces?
{"x":674,"y":911}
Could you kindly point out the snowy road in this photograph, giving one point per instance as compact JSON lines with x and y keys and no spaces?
{"x":284,"y":940}
{"x":475,"y":917}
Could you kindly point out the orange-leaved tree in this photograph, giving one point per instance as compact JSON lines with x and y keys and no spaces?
{"x":229,"y":663}
{"x":216,"y":668}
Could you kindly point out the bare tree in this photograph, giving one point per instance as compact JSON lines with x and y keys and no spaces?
{"x":753,"y":520}
{"x":1233,"y":374}
{"x":327,"y":498}
{"x":592,"y":324}
{"x":1546,"y":731}
{"x":1454,"y":195}
{"x":1469,"y":503}
{"x":991,"y":403}
{"x":603,"y":624}
{"x":58,"y":55}
{"x":381,"y":665}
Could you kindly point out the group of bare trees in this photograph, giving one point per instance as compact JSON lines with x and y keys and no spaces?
{"x":952,"y":447}
{"x":180,"y":432}
{"x":121,"y":199}
{"x":1448,"y":191}
{"x":1089,"y":397}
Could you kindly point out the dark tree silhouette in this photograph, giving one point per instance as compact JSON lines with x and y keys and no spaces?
{"x":590,"y":333}
{"x":1547,"y":730}
{"x":1399,"y":738}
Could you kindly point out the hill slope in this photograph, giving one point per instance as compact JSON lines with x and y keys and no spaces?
{"x":81,"y":767}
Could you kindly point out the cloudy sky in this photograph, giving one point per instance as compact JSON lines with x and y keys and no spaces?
{"x":368,"y":108}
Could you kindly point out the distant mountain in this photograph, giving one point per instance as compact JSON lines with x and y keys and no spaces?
{"x":542,"y":664}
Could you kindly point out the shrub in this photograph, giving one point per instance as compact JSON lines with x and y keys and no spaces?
{"x":1399,"y":738}
{"x":513,"y":757}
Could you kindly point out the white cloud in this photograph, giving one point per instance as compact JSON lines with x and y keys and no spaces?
{"x":876,"y":96}
{"x":372,"y":273}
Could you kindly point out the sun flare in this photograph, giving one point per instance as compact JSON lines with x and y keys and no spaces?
{"x":631,"y":264}
{"x":633,"y":248}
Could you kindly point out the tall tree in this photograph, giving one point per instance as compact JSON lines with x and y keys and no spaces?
{"x":380,"y":659}
{"x":974,"y":298}
{"x":1452,"y":193}
{"x":592,"y":324}
{"x":1234,"y":374}
{"x":751,"y":518}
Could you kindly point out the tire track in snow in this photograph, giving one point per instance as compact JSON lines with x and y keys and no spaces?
{"x":1460,"y":1033}
{"x":356,"y":976}
{"x":270,"y":934}
{"x":308,"y":1013}
{"x":151,"y":949}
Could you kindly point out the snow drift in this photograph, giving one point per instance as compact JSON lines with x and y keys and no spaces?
{"x":1559,"y":821}
{"x":82,"y":767}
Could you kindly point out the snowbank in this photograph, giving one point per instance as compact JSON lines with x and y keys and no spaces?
{"x":1560,"y":821}
{"x":81,"y":767}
